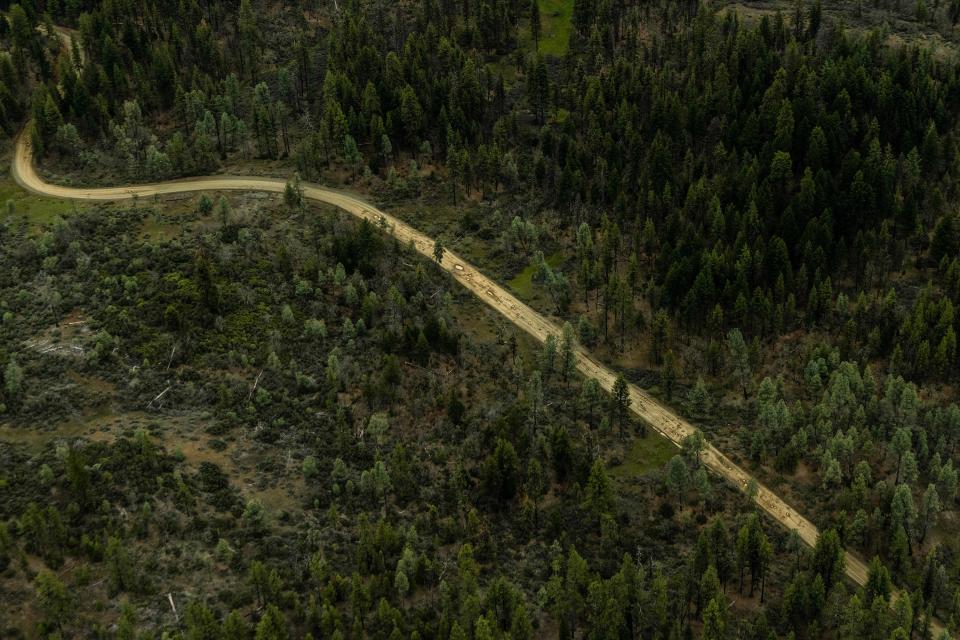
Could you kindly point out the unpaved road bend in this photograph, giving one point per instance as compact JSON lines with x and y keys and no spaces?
{"x":658,"y":416}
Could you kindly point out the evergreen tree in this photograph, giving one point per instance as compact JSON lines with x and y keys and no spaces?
{"x":56,"y":603}
{"x":740,"y":359}
{"x":535,"y":24}
{"x":272,"y":625}
{"x":13,"y":379}
{"x":620,"y":403}
{"x":677,"y":477}
{"x":945,"y":242}
{"x":293,"y":193}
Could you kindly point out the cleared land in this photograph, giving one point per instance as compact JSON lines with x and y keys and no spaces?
{"x":555,"y":17}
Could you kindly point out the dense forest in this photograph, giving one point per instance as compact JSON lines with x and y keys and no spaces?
{"x":258,"y":419}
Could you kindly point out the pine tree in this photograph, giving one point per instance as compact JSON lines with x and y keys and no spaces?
{"x":621,"y":402}
{"x":499,"y":472}
{"x":538,"y":89}
{"x":127,"y":624}
{"x":234,"y":626}
{"x":13,"y":379}
{"x":56,"y":603}
{"x":878,"y":581}
{"x":668,"y":374}
{"x":582,"y":15}
{"x":599,"y":493}
{"x":589,"y":397}
{"x":535,"y":24}
{"x":659,"y":336}
{"x":411,"y":114}
{"x":828,"y":557}
{"x":534,"y":398}
{"x":945,"y":242}
{"x":121,"y":565}
{"x":249,"y":40}
{"x":740,"y":359}
{"x":714,"y":622}
{"x":568,"y":354}
{"x":272,"y":625}
{"x":699,"y":397}
{"x":521,"y":628}
{"x":46,"y":120}
{"x":677,"y":477}
{"x":293,"y":193}
{"x":200,"y":621}
{"x":900,"y":444}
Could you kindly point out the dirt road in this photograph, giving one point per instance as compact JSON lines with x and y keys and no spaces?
{"x":658,"y":416}
{"x":644,"y":406}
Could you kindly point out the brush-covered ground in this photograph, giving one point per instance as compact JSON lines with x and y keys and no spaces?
{"x":238,"y":417}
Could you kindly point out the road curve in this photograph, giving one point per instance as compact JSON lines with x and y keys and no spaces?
{"x":659,"y":417}
{"x":644,"y":406}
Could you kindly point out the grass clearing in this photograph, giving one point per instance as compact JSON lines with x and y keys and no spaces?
{"x":99,"y":423}
{"x":555,"y":18}
{"x":522,"y":284}
{"x":644,"y":456}
{"x":37,"y":210}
